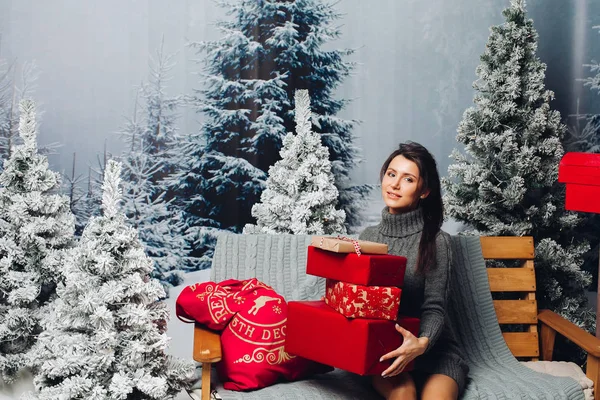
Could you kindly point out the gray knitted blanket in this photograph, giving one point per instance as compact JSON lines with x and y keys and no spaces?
{"x":280,"y":261}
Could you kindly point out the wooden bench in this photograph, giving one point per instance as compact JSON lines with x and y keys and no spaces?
{"x":529,"y":344}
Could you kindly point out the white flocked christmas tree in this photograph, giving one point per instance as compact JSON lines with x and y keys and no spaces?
{"x":506,"y":183}
{"x":105,"y":337}
{"x":36,"y":228}
{"x":300,"y":196}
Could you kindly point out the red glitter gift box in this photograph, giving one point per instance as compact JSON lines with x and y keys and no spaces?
{"x":358,"y":301}
{"x":316,"y":332}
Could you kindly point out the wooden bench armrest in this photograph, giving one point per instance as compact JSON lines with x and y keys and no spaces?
{"x":207,"y":350}
{"x":552,"y":323}
{"x":207,"y":345}
{"x":581,"y":338}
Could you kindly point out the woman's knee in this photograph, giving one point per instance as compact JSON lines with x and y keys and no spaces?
{"x":403,"y":393}
{"x":439,"y":387}
{"x":400,"y":387}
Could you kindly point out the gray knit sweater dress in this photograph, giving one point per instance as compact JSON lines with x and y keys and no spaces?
{"x":424,"y":295}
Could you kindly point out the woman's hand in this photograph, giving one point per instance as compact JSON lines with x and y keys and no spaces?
{"x":411,"y":348}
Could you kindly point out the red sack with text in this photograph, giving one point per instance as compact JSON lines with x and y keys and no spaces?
{"x":252,"y":318}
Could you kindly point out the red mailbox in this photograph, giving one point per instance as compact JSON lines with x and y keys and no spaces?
{"x":581,"y":173}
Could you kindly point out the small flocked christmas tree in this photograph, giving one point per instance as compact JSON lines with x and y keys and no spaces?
{"x":105,"y":337}
{"x":301,"y":196}
{"x":36,"y":227}
{"x":507,"y":182}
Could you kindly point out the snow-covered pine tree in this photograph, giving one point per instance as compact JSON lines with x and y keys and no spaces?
{"x":77,"y":195}
{"x":300,"y":197}
{"x":90,"y":205}
{"x":11,"y":94}
{"x":587,"y":140}
{"x":268,"y":50}
{"x":106,"y":335}
{"x":151,"y":155}
{"x":506,"y":184}
{"x":593,"y":82}
{"x":87,"y":205}
{"x":6,"y":105}
{"x":160,"y":132}
{"x":36,"y":228}
{"x":159,"y":227}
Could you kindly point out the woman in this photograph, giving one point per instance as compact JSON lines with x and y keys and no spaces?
{"x":410,"y":226}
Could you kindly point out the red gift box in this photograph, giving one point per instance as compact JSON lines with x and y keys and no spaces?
{"x":316,"y":332}
{"x":358,"y":301}
{"x":366,"y":269}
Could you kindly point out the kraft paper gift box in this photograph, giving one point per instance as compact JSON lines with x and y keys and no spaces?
{"x":316,"y":332}
{"x":348,"y":245}
{"x":358,"y":301}
{"x":366,"y":269}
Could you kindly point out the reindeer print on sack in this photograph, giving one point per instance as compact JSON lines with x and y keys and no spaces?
{"x":260,"y":303}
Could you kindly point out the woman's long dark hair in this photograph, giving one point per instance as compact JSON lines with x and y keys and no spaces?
{"x":433,"y":208}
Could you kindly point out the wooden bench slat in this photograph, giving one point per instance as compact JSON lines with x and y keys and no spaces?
{"x":507,"y":248}
{"x":511,"y":279}
{"x":522,"y":344}
{"x":516,"y":311}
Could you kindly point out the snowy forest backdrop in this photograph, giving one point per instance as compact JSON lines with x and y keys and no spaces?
{"x":196,"y":114}
{"x":85,"y":62}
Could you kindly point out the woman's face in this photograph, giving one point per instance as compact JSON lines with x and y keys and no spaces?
{"x":401,"y":186}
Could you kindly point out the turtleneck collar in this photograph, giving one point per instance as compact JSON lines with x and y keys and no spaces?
{"x":400,"y":225}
